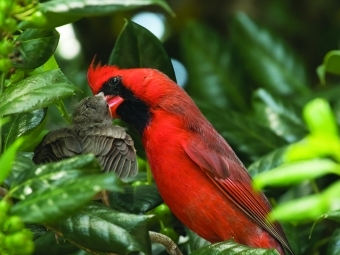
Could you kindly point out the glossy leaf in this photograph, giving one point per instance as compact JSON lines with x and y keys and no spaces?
{"x":267,"y":162}
{"x":243,"y":133}
{"x":35,"y":92}
{"x":281,"y":116}
{"x":7,"y":158}
{"x":35,"y":46}
{"x":137,"y":200}
{"x":231,"y":248}
{"x":57,"y":201}
{"x":29,"y":124}
{"x":103,"y":229}
{"x":45,"y":176}
{"x":138,"y":47}
{"x":271,"y":62}
{"x":88,"y":8}
{"x":213,"y":75}
{"x":292,"y":173}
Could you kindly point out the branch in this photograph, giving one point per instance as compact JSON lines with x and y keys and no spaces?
{"x":169,"y":245}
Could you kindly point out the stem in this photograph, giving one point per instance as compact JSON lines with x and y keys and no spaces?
{"x":63,"y":111}
{"x":2,"y":84}
{"x":314,"y":186}
{"x":148,"y":174}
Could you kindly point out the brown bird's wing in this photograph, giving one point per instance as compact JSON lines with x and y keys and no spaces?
{"x":227,"y":172}
{"x":113,"y":148}
{"x":57,"y":145}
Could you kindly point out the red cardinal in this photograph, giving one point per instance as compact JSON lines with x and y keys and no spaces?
{"x":197,"y":173}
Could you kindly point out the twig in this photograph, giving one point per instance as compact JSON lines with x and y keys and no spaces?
{"x":169,"y":245}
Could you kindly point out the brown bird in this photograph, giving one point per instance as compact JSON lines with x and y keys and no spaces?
{"x":91,"y":132}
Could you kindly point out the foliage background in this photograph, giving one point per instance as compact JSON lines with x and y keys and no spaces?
{"x":252,"y":71}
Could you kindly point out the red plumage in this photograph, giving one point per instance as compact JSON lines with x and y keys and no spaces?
{"x":197,"y":173}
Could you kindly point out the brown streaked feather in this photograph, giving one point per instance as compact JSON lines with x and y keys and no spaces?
{"x":110,"y":144}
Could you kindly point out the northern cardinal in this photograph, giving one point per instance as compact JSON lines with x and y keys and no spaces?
{"x":196,"y":171}
{"x":91,"y":132}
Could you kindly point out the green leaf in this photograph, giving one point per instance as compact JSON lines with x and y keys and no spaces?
{"x":58,"y":201}
{"x":137,"y":200}
{"x":89,"y":8}
{"x":196,"y":242}
{"x":230,"y":247}
{"x":22,"y":164}
{"x":267,"y":162}
{"x":35,"y":92}
{"x":138,"y":47}
{"x":271,"y":62}
{"x":333,"y":247}
{"x":214,"y":77}
{"x":103,"y":229}
{"x":313,"y":146}
{"x":36,"y":46}
{"x":320,"y":118}
{"x":308,"y":208}
{"x":7,"y":158}
{"x":296,"y":172}
{"x":44,"y":176}
{"x":243,"y":133}
{"x":28,"y":124}
{"x":56,"y":246}
{"x":331,"y":62}
{"x":281,"y":116}
{"x":333,"y":215}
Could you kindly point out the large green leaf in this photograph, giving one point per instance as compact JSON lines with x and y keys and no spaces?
{"x":29,"y":124}
{"x":213,"y":75}
{"x":100,"y":228}
{"x":271,"y":62}
{"x":282,"y":116}
{"x":232,"y":248}
{"x":35,"y":92}
{"x":138,"y":200}
{"x":44,"y":176}
{"x":35,"y":46}
{"x":243,"y":133}
{"x":58,"y":201}
{"x":138,"y":47}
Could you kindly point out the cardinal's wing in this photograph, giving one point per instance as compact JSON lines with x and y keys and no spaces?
{"x":57,"y":145}
{"x":113,"y":147}
{"x":223,"y":167}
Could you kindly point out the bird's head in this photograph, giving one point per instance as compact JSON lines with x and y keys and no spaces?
{"x":131,"y":94}
{"x":92,"y":110}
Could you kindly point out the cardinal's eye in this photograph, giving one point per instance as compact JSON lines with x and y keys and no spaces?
{"x":114,"y":81}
